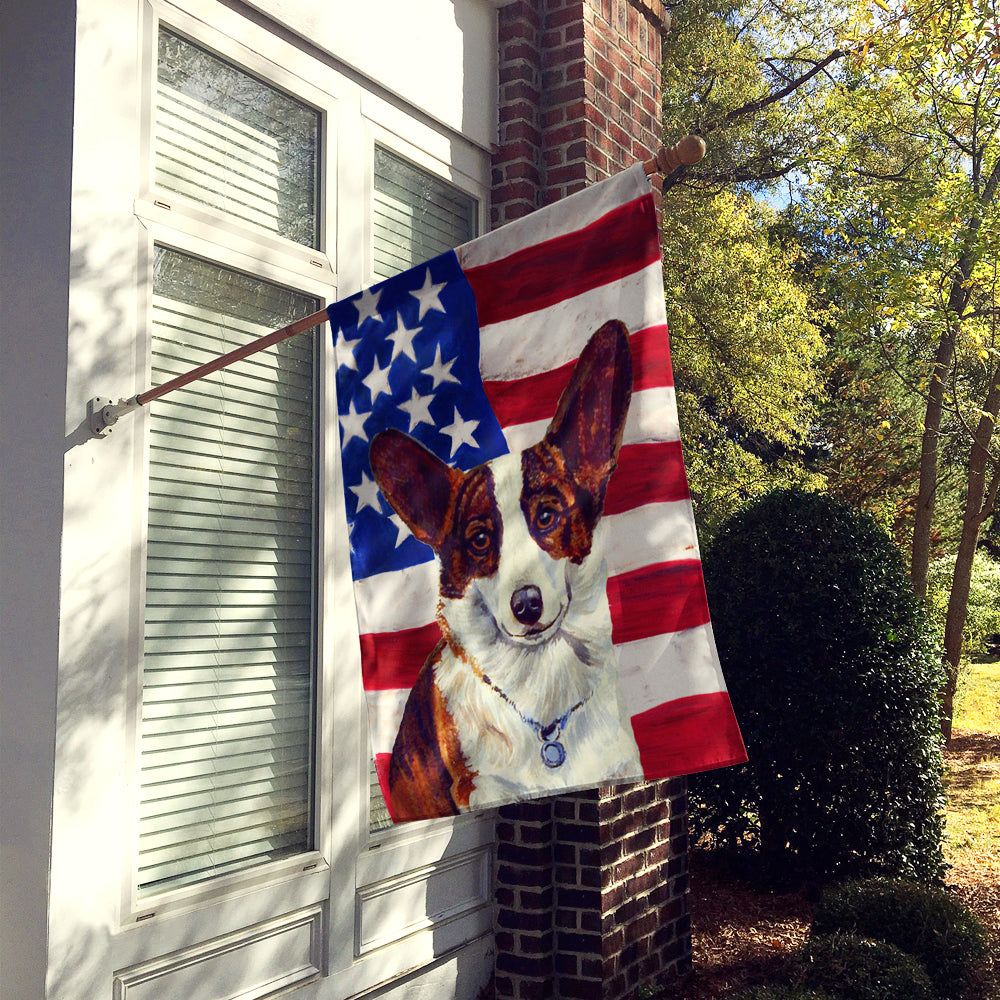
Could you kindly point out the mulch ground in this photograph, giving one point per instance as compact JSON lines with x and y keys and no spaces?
{"x":742,"y":935}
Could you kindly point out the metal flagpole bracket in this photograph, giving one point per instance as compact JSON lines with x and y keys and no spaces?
{"x":103,"y":413}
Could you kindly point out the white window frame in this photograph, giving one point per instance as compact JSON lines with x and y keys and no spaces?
{"x":180,"y":224}
{"x":350,"y":875}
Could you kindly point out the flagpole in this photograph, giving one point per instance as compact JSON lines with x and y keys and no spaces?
{"x":687,"y":152}
{"x":103,"y":413}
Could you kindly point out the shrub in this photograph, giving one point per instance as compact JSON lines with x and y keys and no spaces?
{"x":856,"y":968}
{"x":926,"y":922}
{"x":782,"y":993}
{"x":833,"y":673}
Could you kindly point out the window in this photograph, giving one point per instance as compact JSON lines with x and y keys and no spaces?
{"x":228,"y":679}
{"x":251,"y":807}
{"x":416,"y":216}
{"x":225,"y":139}
{"x":229,"y":646}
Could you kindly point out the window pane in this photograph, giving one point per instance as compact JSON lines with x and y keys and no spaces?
{"x":226,"y":139}
{"x":416,"y":216}
{"x":228,"y":665}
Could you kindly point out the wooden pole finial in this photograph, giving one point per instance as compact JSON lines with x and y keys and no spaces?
{"x":668,"y":158}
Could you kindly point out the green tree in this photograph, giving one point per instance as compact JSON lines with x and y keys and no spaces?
{"x":833,"y":672}
{"x":912,"y":189}
{"x":747,"y":356}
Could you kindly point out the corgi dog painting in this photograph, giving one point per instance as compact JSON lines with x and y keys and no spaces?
{"x":521,"y":696}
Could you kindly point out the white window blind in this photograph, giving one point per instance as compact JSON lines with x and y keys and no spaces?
{"x":416,"y":216}
{"x":228,"y":657}
{"x":228,"y":140}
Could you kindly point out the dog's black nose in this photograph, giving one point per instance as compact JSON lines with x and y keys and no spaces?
{"x":527,"y":604}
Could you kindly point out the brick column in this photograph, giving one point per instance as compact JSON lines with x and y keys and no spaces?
{"x":591,"y":889}
{"x":579,"y":96}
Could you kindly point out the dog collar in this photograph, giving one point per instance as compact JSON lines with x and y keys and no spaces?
{"x":553,"y":753}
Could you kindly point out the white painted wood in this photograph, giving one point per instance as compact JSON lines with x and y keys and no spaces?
{"x":72,"y":650}
{"x":435,"y":56}
{"x":253,"y":964}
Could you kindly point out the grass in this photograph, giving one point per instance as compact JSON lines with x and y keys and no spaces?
{"x":973,"y":782}
{"x":972,"y":848}
{"x":978,"y":698}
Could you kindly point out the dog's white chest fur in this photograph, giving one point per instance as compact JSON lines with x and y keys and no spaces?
{"x":512,"y":687}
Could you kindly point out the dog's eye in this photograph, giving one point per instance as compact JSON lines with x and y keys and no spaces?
{"x":479,"y":541}
{"x":546,"y":518}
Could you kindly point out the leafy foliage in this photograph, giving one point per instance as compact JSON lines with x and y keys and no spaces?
{"x":924,"y":921}
{"x":857,"y":968}
{"x":747,"y":356}
{"x":833,"y":673}
{"x":983,"y":614}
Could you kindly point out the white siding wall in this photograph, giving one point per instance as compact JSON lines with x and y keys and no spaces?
{"x":36,"y":110}
{"x":74,"y":316}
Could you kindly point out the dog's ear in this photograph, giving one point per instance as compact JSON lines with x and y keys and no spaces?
{"x":420,"y":487}
{"x":590,"y":418}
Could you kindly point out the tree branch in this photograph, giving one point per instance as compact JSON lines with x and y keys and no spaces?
{"x":753,"y":107}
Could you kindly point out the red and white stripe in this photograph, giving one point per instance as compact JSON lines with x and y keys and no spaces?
{"x":543,"y":285}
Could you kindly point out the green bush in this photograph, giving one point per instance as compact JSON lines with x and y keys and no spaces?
{"x":925,"y":922}
{"x":833,"y":673}
{"x":856,"y":968}
{"x":982,"y":619}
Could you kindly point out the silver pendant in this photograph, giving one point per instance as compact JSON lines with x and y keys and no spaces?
{"x":553,"y":753}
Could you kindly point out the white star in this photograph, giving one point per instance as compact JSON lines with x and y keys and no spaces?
{"x":367,"y":306}
{"x":353,"y":424}
{"x":367,"y":494}
{"x":402,"y":341}
{"x":439,"y":371}
{"x":460,"y":432}
{"x":427,"y":296}
{"x":377,"y":380}
{"x":418,"y":409}
{"x":402,"y":531}
{"x":344,"y":352}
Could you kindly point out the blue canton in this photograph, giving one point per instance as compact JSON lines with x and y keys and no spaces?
{"x":407,"y":352}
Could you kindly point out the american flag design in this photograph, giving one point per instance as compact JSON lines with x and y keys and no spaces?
{"x":468,"y":353}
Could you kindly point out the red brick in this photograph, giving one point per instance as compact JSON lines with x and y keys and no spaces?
{"x":522,"y":90}
{"x":510,"y":152}
{"x":538,"y":966}
{"x":518,"y":50}
{"x":562,"y":53}
{"x":575,"y":941}
{"x":518,"y":111}
{"x":520,"y":130}
{"x":532,"y":899}
{"x":567,"y":174}
{"x":515,"y":875}
{"x":581,"y":989}
{"x":536,"y":944}
{"x":567,"y":964}
{"x":519,"y":920}
{"x":570,"y":14}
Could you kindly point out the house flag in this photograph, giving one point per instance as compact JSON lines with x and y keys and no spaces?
{"x":528,"y":586}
